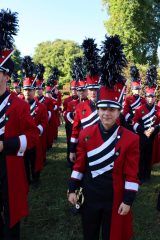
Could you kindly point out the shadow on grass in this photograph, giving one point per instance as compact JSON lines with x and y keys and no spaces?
{"x":50,"y":217}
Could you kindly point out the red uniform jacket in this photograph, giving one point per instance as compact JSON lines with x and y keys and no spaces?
{"x":145,"y":118}
{"x":70,"y":111}
{"x":19,"y":127}
{"x":130,"y":105}
{"x":51,"y":120}
{"x":65,"y":103}
{"x":118,"y":157}
{"x":85,"y":115}
{"x":56,"y":113}
{"x":38,"y":112}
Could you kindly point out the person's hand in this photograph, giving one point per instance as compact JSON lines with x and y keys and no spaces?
{"x":147,"y":133}
{"x":123,"y":209}
{"x":72,"y":157}
{"x":1,"y":146}
{"x":151,"y":130}
{"x":72,"y":198}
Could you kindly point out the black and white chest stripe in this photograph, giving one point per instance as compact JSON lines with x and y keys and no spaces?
{"x":136,"y":104}
{"x":102,"y":159}
{"x":90,"y":120}
{"x":3,"y":118}
{"x":32,"y":108}
{"x":42,"y":99}
{"x":148,"y":119}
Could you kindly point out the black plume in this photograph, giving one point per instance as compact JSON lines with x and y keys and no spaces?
{"x":91,"y":57}
{"x":134,"y":72}
{"x":8,"y":29}
{"x":50,"y":81}
{"x":39,"y":70}
{"x":27,"y":66}
{"x":78,"y":69}
{"x":55,"y":73}
{"x":151,"y":76}
{"x":112,"y":61}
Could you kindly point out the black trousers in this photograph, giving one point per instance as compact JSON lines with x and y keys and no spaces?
{"x":96,"y":221}
{"x":68,"y":127}
{"x":30,"y":158}
{"x":6,"y":233}
{"x":146,"y":146}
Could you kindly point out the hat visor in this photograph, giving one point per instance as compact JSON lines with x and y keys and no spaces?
{"x":150,"y":94}
{"x":73,"y":88}
{"x":28,"y":87}
{"x":107,"y":103}
{"x":91,"y":86}
{"x":39,"y":87}
{"x":136,"y":87}
{"x":81,"y":88}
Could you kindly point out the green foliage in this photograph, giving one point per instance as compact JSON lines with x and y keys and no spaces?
{"x":16,"y":57}
{"x":138,"y":25}
{"x":60,"y":54}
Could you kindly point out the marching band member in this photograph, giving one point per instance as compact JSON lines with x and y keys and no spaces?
{"x":145,"y":123}
{"x":107,"y":158}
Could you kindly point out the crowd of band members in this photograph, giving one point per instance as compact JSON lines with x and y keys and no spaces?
{"x":79,"y":111}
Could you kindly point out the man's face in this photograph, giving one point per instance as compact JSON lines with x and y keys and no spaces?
{"x":74,"y":92}
{"x":92,"y":94}
{"x":82,"y":93}
{"x":29,"y":94}
{"x":39,"y":92}
{"x":150,"y":100}
{"x":3,"y":80}
{"x":108,"y":116}
{"x":17,"y":89}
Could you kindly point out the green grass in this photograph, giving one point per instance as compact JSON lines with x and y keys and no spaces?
{"x":50,"y":217}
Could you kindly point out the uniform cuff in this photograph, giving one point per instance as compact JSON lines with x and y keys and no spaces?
{"x":73,"y":185}
{"x":129,"y":197}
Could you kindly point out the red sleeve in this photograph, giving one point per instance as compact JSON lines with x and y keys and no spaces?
{"x":136,"y":122}
{"x":75,"y":130}
{"x":131,"y":166}
{"x":43,"y":118}
{"x":81,"y":155}
{"x":126,"y":109}
{"x":28,"y":127}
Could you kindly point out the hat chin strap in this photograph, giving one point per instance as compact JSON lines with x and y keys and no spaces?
{"x":6,"y":60}
{"x":121,"y":95}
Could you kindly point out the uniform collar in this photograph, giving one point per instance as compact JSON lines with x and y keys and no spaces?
{"x":31,"y":101}
{"x":149,"y":107}
{"x":5,"y":94}
{"x":110,"y":131}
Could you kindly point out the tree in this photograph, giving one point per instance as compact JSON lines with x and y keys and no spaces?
{"x":16,"y":57}
{"x":60,"y":54}
{"x":138,"y":25}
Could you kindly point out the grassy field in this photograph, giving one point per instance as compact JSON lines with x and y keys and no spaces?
{"x":50,"y":217}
